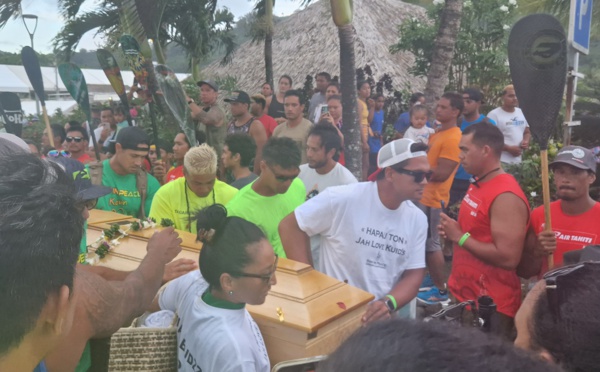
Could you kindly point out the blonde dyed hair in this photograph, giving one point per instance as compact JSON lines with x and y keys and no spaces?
{"x":200,"y":160}
{"x":507,"y":88}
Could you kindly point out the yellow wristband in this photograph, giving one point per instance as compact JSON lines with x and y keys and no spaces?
{"x":463,"y":239}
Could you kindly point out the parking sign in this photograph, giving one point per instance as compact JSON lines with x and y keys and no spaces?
{"x":579,"y":25}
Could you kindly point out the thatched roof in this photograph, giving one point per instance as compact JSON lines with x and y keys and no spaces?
{"x":307,"y":43}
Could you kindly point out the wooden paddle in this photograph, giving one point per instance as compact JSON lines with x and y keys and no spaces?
{"x":142,"y":69}
{"x":34,"y":73}
{"x":174,"y":96}
{"x":11,"y":113}
{"x":74,"y":81}
{"x":113,"y":73}
{"x":537,"y":54}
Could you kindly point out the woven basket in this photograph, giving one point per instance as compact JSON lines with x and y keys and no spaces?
{"x":143,"y":349}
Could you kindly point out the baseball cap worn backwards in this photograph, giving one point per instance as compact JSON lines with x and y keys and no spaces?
{"x":393,"y":153}
{"x":576,"y":156}
{"x":133,"y":138}
{"x":238,"y":96}
{"x":81,"y":178}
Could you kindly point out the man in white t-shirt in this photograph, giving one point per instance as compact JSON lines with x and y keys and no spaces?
{"x":512,"y":123}
{"x":372,"y":235}
{"x":322,"y":170}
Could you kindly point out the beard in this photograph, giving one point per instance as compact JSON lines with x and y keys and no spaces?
{"x":318,"y":165}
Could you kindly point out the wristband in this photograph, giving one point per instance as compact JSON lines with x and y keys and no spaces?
{"x":393,"y":300}
{"x":463,"y":239}
{"x":190,"y":101}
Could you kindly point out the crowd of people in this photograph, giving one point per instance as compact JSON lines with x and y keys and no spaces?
{"x":271,"y":183}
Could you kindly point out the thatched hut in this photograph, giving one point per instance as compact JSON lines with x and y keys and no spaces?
{"x":307,"y":42}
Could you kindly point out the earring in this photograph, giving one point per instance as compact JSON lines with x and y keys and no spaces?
{"x":231,"y":293}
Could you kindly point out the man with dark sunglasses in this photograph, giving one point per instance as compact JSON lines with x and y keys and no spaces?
{"x":275,"y":193}
{"x":575,"y":215}
{"x":372,"y":235}
{"x":77,"y":143}
{"x":489,"y":236}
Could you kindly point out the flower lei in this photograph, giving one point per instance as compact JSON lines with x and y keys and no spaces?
{"x":111,"y":237}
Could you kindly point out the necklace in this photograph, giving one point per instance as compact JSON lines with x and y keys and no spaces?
{"x":475,"y":180}
{"x":187,"y":204}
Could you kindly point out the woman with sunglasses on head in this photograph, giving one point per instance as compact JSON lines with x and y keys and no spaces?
{"x":559,"y":321}
{"x":237,"y":267}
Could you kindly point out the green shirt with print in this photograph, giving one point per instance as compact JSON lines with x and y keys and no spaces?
{"x":125,"y":198}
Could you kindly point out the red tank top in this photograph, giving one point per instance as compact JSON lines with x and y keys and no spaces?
{"x":470,"y":277}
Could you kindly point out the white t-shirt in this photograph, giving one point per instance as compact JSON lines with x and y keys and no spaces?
{"x":212,"y":339}
{"x":316,"y":183}
{"x":512,"y":125}
{"x":419,"y":135}
{"x":362,"y":241}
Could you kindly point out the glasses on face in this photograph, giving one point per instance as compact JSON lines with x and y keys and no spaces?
{"x":553,"y":290}
{"x":88,"y":204}
{"x":71,"y":139}
{"x":56,"y":154}
{"x":418,"y":176}
{"x":280,"y":178}
{"x":266,"y":278}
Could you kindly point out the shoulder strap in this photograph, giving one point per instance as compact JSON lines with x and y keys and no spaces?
{"x":141,"y":182}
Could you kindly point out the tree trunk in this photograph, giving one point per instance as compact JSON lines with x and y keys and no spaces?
{"x":269,"y":42}
{"x":443,"y":52}
{"x":350,"y":127}
{"x":159,"y":52}
{"x":195,"y":69}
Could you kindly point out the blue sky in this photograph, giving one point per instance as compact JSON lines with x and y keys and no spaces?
{"x":14,"y":36}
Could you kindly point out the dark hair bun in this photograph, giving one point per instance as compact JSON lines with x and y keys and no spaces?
{"x":209,"y":221}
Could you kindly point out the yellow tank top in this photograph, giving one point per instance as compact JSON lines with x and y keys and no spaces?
{"x":364,"y":119}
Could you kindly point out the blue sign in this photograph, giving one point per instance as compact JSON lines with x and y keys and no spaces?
{"x":581,"y":21}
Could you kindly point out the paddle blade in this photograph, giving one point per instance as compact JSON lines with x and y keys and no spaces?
{"x":537,"y":54}
{"x":74,"y":81}
{"x":34,"y":72}
{"x":131,"y":50}
{"x":174,"y":96}
{"x":111,"y":69}
{"x":11,"y":114}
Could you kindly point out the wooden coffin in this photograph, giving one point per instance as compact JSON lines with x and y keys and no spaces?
{"x":307,"y":313}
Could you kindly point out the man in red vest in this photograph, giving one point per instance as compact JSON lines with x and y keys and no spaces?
{"x":490,"y":233}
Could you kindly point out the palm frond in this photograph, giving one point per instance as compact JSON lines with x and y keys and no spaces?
{"x":70,"y":8}
{"x":9,"y":9}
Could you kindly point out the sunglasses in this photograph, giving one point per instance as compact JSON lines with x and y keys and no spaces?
{"x":418,"y":176}
{"x":56,"y":154}
{"x":88,"y":204}
{"x":282,"y":178}
{"x":71,"y":139}
{"x":266,"y":278}
{"x":556,"y":281}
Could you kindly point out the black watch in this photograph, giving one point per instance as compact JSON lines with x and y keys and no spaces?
{"x":389,"y":304}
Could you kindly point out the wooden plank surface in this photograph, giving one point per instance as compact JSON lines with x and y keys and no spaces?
{"x":98,"y":216}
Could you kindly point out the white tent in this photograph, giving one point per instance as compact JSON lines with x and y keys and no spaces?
{"x":66,"y":107}
{"x":11,"y":82}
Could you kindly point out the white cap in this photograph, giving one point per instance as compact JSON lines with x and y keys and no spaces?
{"x":396,"y":152}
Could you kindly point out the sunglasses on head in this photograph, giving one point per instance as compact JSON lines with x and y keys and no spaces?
{"x":418,"y":176}
{"x":76,"y":139}
{"x":56,"y":154}
{"x":557,"y":283}
{"x":266,"y":278}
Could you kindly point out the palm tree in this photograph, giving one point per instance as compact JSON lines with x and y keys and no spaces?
{"x":9,"y":9}
{"x":558,"y":8}
{"x":263,"y":29}
{"x":443,"y":51}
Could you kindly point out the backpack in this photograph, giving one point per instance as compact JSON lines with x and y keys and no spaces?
{"x":141,"y":183}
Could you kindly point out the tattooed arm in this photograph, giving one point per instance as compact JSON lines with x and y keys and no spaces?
{"x":102,"y":306}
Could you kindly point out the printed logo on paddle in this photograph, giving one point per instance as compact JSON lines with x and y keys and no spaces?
{"x":546,"y":49}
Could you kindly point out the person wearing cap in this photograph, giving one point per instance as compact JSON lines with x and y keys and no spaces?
{"x":489,"y":235}
{"x":160,"y":168}
{"x":512,"y":123}
{"x":244,"y":122}
{"x":123,"y":172}
{"x":179,"y":200}
{"x":575,"y":215}
{"x":210,"y":116}
{"x":296,"y":126}
{"x":372,"y":234}
{"x":257,"y":109}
